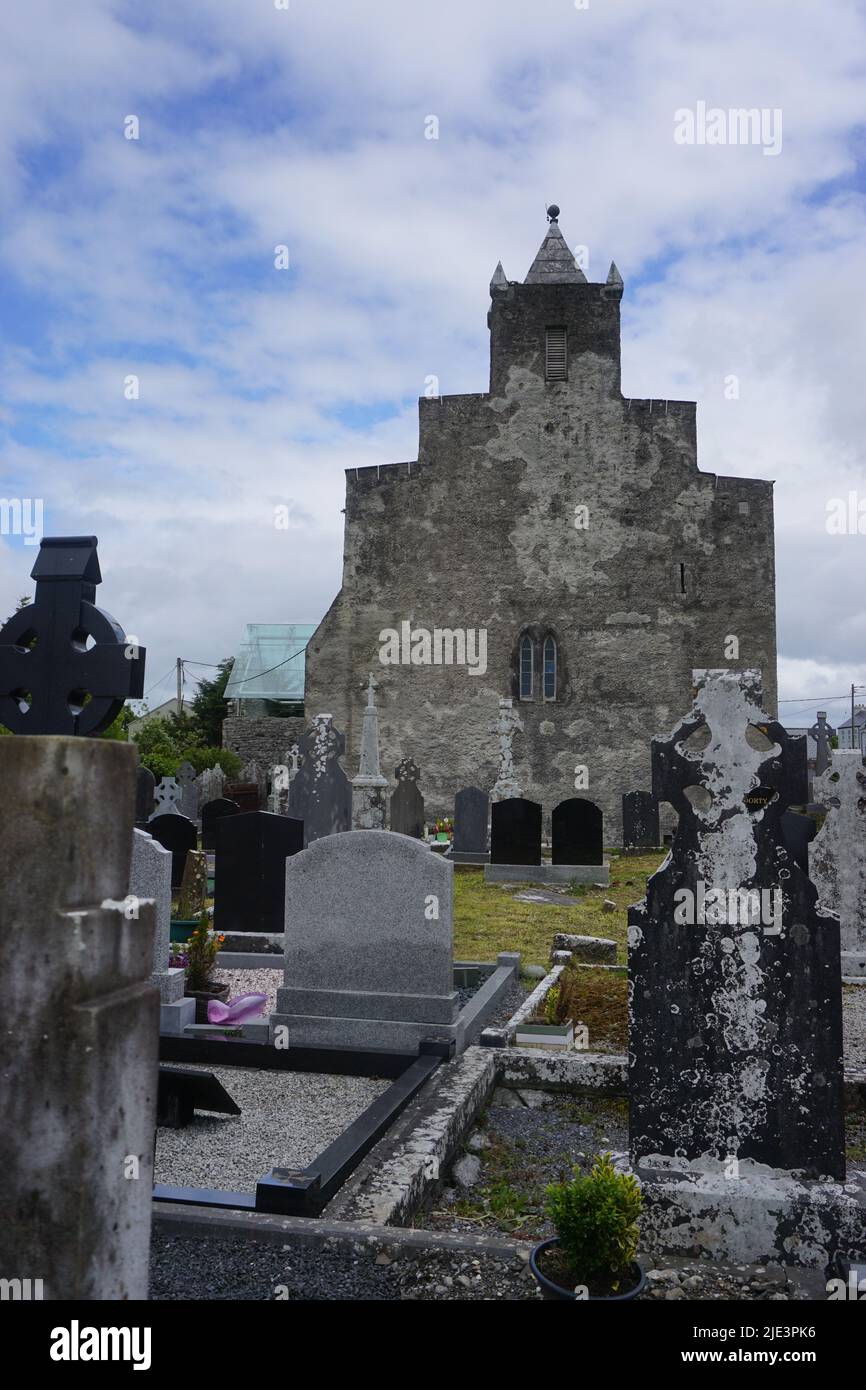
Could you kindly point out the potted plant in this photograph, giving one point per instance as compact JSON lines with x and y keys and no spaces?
{"x":592,"y":1255}
{"x":201,"y":952}
{"x":444,"y":828}
{"x":546,"y":1028}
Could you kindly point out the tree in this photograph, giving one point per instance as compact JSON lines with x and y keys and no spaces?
{"x":209,"y":706}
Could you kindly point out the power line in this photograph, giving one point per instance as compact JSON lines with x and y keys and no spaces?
{"x":244,"y":679}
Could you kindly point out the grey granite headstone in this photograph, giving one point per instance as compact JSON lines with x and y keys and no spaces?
{"x":150,"y":877}
{"x":369,"y":952}
{"x":407,"y":803}
{"x":187,"y":780}
{"x":321,"y":795}
{"x":837,"y":855}
{"x":471,"y":821}
{"x":735,"y":1019}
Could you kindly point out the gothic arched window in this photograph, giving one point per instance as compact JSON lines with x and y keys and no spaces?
{"x":549,"y":669}
{"x":526,"y":669}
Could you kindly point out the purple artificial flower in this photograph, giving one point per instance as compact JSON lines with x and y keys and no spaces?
{"x":240,"y":1010}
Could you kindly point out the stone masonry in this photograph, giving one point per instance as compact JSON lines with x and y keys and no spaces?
{"x":546,"y":508}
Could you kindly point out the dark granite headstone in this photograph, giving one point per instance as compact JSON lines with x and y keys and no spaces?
{"x":250,"y":870}
{"x":407,"y":803}
{"x":640,"y":821}
{"x":211,"y":812}
{"x":144,"y":786}
{"x":178,"y":834}
{"x":471,"y":819}
{"x":321,"y":794}
{"x":798,"y":832}
{"x":735,"y":1024}
{"x":577,"y":837}
{"x":515,"y":831}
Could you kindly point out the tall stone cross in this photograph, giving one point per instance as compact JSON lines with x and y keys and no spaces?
{"x":508,"y":723}
{"x":369,"y":800}
{"x":735,"y":1020}
{"x":822,"y":732}
{"x":47,"y":669}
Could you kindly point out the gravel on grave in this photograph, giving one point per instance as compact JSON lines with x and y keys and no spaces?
{"x":286,"y":1120}
{"x":208,"y":1268}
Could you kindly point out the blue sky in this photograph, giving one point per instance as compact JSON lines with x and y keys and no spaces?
{"x":305,"y":127}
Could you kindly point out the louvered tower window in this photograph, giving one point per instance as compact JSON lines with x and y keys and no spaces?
{"x":555,"y":354}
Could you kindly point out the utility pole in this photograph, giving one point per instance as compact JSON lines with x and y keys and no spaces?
{"x":180,"y":686}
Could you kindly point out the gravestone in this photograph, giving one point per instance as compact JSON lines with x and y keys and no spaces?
{"x":798,"y":832}
{"x":471,"y":818}
{"x":507,"y":725}
{"x":46,"y":667}
{"x":211,"y":812}
{"x":407,"y":803}
{"x":577,"y":832}
{"x":369,"y":788}
{"x":166,"y":797}
{"x":210,"y":785}
{"x":177,"y":834}
{"x":640,"y":821}
{"x":78,"y":1051}
{"x":369,"y":951}
{"x":822,"y":732}
{"x":150,"y":878}
{"x":145,"y":783}
{"x":253,"y":773}
{"x":187,"y":780}
{"x":515,"y":832}
{"x":246,"y":794}
{"x":193,"y":886}
{"x":320,"y":795}
{"x":735,"y":1025}
{"x":837,"y":855}
{"x":250,"y":870}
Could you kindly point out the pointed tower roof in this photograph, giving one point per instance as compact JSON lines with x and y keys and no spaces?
{"x":554,"y":264}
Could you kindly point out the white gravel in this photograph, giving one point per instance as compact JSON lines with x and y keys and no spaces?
{"x":854,"y":1024}
{"x":286,"y":1119}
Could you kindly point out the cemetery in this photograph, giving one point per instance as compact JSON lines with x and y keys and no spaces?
{"x":353,"y":1058}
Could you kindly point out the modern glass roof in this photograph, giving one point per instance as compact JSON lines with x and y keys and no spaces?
{"x":270,"y":662}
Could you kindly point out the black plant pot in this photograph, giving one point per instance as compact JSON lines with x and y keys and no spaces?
{"x":551,"y":1292}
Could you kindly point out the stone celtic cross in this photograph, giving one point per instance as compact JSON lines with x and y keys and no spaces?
{"x":66,"y":666}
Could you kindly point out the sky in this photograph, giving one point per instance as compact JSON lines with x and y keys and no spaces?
{"x":168,"y":387}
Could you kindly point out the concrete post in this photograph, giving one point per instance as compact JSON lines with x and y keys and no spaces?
{"x":80,"y":1023}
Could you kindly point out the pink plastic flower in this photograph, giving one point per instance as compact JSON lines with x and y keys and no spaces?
{"x":240,"y":1010}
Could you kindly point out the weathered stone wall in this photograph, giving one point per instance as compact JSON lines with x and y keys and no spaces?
{"x":261,"y":740}
{"x":480,"y":533}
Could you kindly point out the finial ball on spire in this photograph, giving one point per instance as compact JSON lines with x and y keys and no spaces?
{"x":552,"y":212}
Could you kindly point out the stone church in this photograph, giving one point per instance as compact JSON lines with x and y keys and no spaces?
{"x":554,"y":542}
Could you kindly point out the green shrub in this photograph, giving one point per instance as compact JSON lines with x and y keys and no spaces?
{"x":595,"y":1217}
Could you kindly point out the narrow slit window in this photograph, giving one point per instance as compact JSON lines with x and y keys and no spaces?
{"x":549,"y":669}
{"x":526,"y":668}
{"x":682,"y":578}
{"x":556,"y":354}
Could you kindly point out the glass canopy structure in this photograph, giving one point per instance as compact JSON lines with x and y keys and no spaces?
{"x":270,"y":662}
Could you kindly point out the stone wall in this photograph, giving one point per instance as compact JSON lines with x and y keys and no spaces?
{"x":263,"y":740}
{"x":480,"y":533}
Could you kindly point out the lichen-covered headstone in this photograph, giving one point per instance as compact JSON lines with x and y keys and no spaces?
{"x":734,"y":974}
{"x":193,"y":885}
{"x":837,"y":855}
{"x":320,"y":795}
{"x":640,"y":820}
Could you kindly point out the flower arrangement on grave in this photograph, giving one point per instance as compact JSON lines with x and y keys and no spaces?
{"x":595,"y":1216}
{"x":201,"y":951}
{"x":178,"y":960}
{"x":445,"y":826}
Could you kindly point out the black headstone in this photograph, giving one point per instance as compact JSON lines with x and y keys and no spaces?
{"x":735,"y":1025}
{"x":471,"y":817}
{"x":178,"y":834}
{"x":407,"y":803}
{"x":144,"y":786}
{"x":250,"y":870}
{"x":640,"y":821}
{"x":211,"y":812}
{"x":577,"y":832}
{"x":798,"y":832}
{"x":515,"y":831}
{"x":47,"y":670}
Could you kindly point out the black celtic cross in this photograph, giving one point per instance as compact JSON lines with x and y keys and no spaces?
{"x":62,"y":649}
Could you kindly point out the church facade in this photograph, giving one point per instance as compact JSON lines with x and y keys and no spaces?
{"x":554,"y":543}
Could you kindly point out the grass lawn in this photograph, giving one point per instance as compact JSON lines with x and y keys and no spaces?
{"x":488,"y":919}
